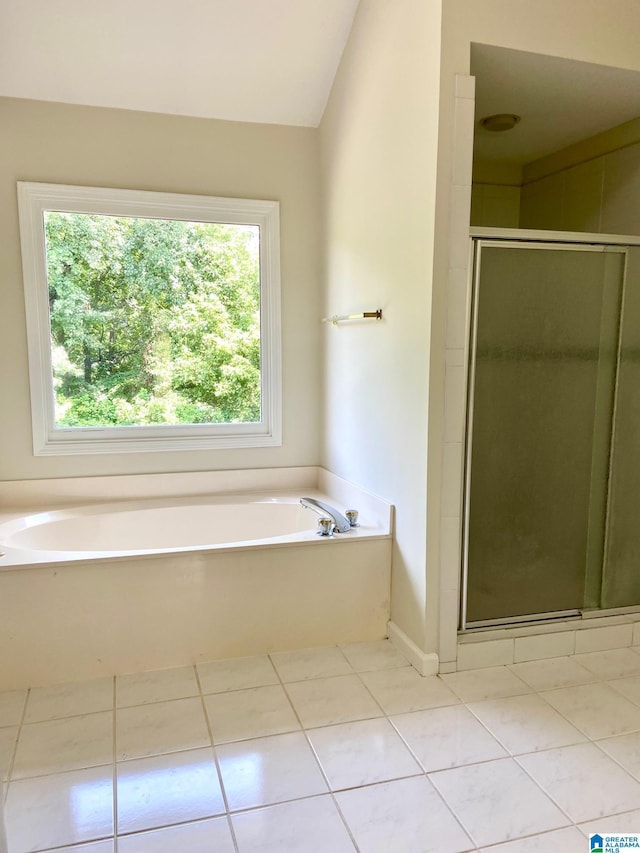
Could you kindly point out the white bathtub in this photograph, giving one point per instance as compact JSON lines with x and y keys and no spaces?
{"x":123,"y":586}
{"x":133,"y":528}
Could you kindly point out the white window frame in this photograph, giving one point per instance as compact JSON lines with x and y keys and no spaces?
{"x":36,"y":198}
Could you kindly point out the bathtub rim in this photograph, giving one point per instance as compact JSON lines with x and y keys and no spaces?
{"x":92,"y":559}
{"x":15,"y":559}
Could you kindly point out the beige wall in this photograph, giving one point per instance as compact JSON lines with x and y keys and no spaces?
{"x":601,"y":31}
{"x":378,"y":139}
{"x":118,"y":148}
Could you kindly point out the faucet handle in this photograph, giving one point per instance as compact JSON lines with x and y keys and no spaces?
{"x":325,"y":526}
{"x":352,"y":517}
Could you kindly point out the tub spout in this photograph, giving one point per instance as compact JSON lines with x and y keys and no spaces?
{"x":341,"y":523}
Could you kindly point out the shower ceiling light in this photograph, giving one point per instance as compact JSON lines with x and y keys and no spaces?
{"x":500,"y":122}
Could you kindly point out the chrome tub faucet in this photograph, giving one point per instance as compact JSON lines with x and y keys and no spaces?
{"x":342,"y":524}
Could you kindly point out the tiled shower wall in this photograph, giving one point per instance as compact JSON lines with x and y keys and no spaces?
{"x":601,"y":195}
{"x":495,"y":205}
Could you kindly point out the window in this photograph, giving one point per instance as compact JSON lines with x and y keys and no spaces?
{"x":152,"y":319}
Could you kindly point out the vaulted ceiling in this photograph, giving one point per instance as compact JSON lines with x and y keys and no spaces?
{"x":268,"y":61}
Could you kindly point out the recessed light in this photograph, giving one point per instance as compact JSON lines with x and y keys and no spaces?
{"x":500,"y":122}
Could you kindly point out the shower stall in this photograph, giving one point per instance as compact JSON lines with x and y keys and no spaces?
{"x":552,"y":482}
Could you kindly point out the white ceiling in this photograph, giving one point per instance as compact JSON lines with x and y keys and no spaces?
{"x":561,"y":101}
{"x":244,"y":60}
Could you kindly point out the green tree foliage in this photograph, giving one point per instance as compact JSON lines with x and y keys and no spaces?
{"x":153,"y":321}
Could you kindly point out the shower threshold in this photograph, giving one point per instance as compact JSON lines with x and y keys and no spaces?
{"x":527,"y":618}
{"x":545,"y":637}
{"x":548,"y":618}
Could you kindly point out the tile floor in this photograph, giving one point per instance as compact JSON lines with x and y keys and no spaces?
{"x":324,"y":751}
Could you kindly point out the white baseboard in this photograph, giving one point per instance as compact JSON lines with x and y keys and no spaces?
{"x":426,"y":663}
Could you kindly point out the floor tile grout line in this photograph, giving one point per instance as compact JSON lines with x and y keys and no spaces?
{"x":206,"y":741}
{"x":14,"y":753}
{"x":251,"y":809}
{"x":466,"y":764}
{"x":321,"y":678}
{"x":323,"y":725}
{"x":219,"y":692}
{"x":582,"y":823}
{"x":612,"y":684}
{"x":426,"y":775}
{"x":195,"y":695}
{"x":538,"y":786}
{"x":69,"y":684}
{"x":599,"y":746}
{"x":530,"y":751}
{"x":340,"y":649}
{"x":453,"y":812}
{"x":486,"y":727}
{"x":75,"y":846}
{"x":73,"y":769}
{"x":406,"y":663}
{"x":266,"y":806}
{"x":105,"y":710}
{"x":228,"y":660}
{"x":575,"y":724}
{"x":600,"y":738}
{"x":245,"y":810}
{"x":529,"y":690}
{"x":319,"y":763}
{"x":216,"y":759}
{"x":590,"y":684}
{"x":134,"y":833}
{"x":417,"y":775}
{"x":544,"y":791}
{"x":68,"y":717}
{"x":589,"y":738}
{"x":192,"y":692}
{"x":281,"y":679}
{"x":65,"y":772}
{"x":452,"y":767}
{"x":341,"y":722}
{"x":369,"y":691}
{"x":498,"y":844}
{"x":539,"y":690}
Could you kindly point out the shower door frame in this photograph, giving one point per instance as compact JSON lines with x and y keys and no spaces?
{"x":517,"y":238}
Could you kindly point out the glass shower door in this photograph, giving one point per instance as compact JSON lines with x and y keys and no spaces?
{"x":621,"y":575}
{"x":541,"y":400}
